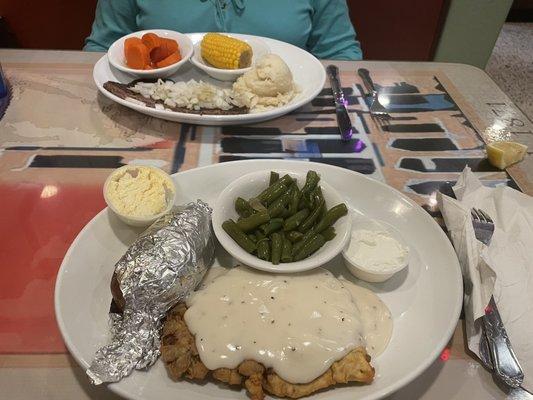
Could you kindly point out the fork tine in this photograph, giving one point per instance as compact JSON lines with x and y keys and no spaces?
{"x":485,"y":216}
{"x":382,"y":122}
{"x":480,"y":214}
{"x":375,"y":120}
{"x":474,"y":214}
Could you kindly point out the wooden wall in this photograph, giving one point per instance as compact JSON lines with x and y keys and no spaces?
{"x":49,"y":24}
{"x":398,"y":30}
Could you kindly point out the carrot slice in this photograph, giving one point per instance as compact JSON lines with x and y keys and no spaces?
{"x":131,"y":42}
{"x":151,"y":40}
{"x":136,"y":53}
{"x":171,"y":59}
{"x":167,"y":47}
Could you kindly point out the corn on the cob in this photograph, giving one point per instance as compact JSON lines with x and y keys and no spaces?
{"x":226,"y":52}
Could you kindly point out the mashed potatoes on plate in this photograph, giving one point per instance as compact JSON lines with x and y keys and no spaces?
{"x":267,"y":85}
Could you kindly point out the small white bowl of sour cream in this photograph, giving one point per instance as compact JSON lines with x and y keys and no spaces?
{"x":375,"y":252}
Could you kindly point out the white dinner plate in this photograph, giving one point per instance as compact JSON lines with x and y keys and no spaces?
{"x":424,"y":299}
{"x":307,"y":71}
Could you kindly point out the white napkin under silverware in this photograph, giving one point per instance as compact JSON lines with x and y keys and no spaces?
{"x":503,"y":269}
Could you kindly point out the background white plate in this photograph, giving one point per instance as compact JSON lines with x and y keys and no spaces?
{"x":307,"y":71}
{"x":425,"y":299}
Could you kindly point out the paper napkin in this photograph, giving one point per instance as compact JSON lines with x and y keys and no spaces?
{"x":503,"y":269}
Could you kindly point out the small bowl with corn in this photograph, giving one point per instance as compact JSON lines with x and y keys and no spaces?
{"x":226,"y":57}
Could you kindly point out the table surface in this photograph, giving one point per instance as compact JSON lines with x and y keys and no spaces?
{"x":60,"y":139}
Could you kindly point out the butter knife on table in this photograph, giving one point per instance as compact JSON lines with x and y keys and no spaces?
{"x":343,"y":118}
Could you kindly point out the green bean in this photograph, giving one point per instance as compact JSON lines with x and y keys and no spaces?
{"x":323,"y":212}
{"x":275,"y":224}
{"x":318,"y":196}
{"x":259,"y":234}
{"x":239,"y":236}
{"x":315,"y":197}
{"x":331,"y":216}
{"x":307,"y":200}
{"x":294,"y":236}
{"x":296,"y":195}
{"x":295,"y":220}
{"x":311,"y":219}
{"x":243,"y":208}
{"x":263,"y":249}
{"x":311,"y":180}
{"x":286,"y":251}
{"x":287,"y":180}
{"x":312,"y":245}
{"x":329,"y":233}
{"x":256,"y":205}
{"x":312,"y":203}
{"x":272,"y":192}
{"x":274,"y":177}
{"x":277,"y":244}
{"x":284,"y":223}
{"x":300,"y":244}
{"x":277,"y":207}
{"x":253,"y":221}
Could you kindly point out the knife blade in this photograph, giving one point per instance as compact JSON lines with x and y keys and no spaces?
{"x":343,"y":118}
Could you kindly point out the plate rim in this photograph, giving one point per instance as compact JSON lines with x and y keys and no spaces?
{"x":393,"y":387}
{"x":213,"y":119}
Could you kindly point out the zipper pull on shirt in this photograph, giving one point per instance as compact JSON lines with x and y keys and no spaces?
{"x":220,"y":18}
{"x":239,"y":6}
{"x":221,"y":8}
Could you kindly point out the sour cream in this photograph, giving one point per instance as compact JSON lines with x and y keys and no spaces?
{"x":375,"y":256}
{"x":297,"y":324}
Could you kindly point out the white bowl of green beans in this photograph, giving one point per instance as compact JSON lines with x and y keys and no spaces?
{"x":281,"y":221}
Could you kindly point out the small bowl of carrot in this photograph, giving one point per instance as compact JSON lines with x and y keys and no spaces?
{"x":155,"y":53}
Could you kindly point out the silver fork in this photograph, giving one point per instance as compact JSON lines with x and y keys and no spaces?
{"x":494,"y":340}
{"x":377,"y":111}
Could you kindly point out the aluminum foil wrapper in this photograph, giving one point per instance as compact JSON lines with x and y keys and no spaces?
{"x":161,"y":268}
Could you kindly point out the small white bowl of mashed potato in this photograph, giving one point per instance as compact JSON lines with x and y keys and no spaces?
{"x":375,"y":252}
{"x":139,"y":194}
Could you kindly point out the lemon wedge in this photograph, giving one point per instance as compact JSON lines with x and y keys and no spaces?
{"x":504,"y":154}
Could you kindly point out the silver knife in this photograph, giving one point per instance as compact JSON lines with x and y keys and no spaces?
{"x":504,"y":361}
{"x":343,"y":118}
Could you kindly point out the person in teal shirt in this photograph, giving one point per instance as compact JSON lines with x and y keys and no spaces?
{"x":322,"y":27}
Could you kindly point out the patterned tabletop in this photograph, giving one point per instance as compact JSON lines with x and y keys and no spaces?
{"x":60,"y":139}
